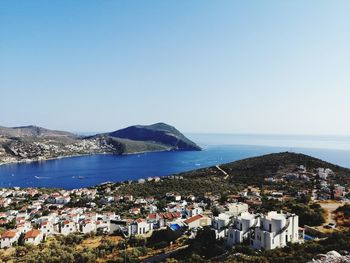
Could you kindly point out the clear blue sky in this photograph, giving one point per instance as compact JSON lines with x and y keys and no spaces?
{"x":202,"y":66}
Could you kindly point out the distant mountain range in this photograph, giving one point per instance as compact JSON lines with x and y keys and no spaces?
{"x":32,"y":143}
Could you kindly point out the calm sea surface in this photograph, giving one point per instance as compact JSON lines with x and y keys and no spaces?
{"x":86,"y":171}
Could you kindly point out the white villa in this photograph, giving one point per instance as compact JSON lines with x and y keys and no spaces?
{"x":265,"y":231}
{"x":8,"y":238}
{"x":67,"y":227}
{"x":33,"y":236}
{"x":276,"y":230}
{"x":241,"y":228}
{"x":234,"y":209}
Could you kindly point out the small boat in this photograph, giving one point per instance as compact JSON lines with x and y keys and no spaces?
{"x":43,"y":177}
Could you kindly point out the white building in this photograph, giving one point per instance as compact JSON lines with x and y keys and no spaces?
{"x":47,"y":228}
{"x":24,"y":227}
{"x":220,"y":224}
{"x":33,"y":236}
{"x":193,"y":210}
{"x":197,"y":221}
{"x":241,"y":228}
{"x":221,"y":221}
{"x":87,"y":226}
{"x":265,"y":231}
{"x":122,"y":226}
{"x":142,"y":227}
{"x":102,"y":226}
{"x":234,"y":209}
{"x":276,"y":230}
{"x":68,"y":227}
{"x":8,"y":238}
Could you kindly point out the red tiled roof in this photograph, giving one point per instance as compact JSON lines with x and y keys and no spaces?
{"x":9,"y":234}
{"x":87,"y":221}
{"x":192,"y":219}
{"x":170,"y":215}
{"x":152,"y":216}
{"x":32,"y":233}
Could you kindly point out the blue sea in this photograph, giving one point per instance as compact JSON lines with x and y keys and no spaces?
{"x":85,"y":171}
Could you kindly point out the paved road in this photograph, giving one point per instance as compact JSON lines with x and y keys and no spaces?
{"x":221,"y":170}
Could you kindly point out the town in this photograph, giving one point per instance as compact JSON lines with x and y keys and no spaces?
{"x":33,"y":215}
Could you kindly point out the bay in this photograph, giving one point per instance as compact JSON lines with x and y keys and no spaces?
{"x":85,"y":171}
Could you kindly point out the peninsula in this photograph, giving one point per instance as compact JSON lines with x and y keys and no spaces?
{"x":32,"y":143}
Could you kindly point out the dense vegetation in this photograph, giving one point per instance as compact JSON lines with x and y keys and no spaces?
{"x":161,"y":133}
{"x":69,"y":250}
{"x":242,"y":173}
{"x":186,"y":186}
{"x":254,"y":170}
{"x":309,"y":214}
{"x":293,"y":253}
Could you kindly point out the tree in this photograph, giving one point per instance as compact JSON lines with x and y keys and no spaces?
{"x":21,"y":239}
{"x":161,"y":204}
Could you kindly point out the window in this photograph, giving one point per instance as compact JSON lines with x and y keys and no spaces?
{"x":270,"y":227}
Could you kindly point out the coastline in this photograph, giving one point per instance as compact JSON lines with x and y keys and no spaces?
{"x":50,"y":159}
{"x":79,"y":155}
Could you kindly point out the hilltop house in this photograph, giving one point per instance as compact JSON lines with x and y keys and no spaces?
{"x":241,"y":228}
{"x":142,"y":227}
{"x":197,"y":221}
{"x":220,"y":223}
{"x":67,"y":227}
{"x":130,"y":227}
{"x":234,"y":209}
{"x":276,"y":230}
{"x":9,"y":237}
{"x":47,"y":228}
{"x":265,"y":231}
{"x":33,"y":236}
{"x":193,"y":210}
{"x":87,"y":226}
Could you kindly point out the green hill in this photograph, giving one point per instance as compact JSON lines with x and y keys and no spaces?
{"x":31,"y":143}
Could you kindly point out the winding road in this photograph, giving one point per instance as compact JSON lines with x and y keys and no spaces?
{"x":221,"y":170}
